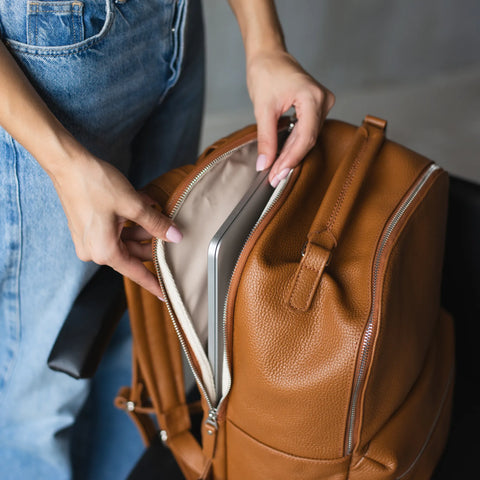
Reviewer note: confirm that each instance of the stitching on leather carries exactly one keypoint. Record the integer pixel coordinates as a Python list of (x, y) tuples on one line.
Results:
[(351, 174), (332, 218), (275, 450), (431, 432), (295, 288), (296, 285)]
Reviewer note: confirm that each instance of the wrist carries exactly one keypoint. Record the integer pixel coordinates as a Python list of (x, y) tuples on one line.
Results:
[(58, 151), (260, 44)]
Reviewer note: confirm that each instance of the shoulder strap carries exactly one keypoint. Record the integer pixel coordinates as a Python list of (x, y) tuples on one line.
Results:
[(157, 383)]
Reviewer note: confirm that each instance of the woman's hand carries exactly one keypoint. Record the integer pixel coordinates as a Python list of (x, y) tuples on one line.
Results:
[(277, 82), (98, 201)]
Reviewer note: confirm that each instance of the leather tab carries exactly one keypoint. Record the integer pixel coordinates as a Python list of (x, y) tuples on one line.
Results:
[(308, 275), (140, 416), (376, 122), (209, 441)]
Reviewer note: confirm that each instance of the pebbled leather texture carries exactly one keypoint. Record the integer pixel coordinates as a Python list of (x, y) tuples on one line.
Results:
[(341, 356)]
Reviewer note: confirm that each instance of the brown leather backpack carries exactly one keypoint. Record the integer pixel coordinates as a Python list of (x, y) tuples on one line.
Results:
[(339, 354)]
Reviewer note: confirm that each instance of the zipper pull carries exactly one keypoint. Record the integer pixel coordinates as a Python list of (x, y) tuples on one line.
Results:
[(210, 440), (211, 422)]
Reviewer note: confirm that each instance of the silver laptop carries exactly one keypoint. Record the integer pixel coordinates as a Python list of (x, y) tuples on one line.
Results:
[(223, 252)]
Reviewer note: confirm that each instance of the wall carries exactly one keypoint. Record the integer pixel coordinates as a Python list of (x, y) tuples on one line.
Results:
[(416, 63)]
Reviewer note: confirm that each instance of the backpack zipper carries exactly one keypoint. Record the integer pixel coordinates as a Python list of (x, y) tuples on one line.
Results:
[(213, 410), (370, 329)]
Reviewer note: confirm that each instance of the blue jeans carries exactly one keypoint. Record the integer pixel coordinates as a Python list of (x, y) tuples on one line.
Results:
[(126, 78)]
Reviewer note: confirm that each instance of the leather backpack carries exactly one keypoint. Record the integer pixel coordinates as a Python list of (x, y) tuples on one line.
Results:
[(339, 358)]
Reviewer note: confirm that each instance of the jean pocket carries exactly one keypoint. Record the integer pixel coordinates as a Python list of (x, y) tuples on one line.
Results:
[(62, 28), (54, 23)]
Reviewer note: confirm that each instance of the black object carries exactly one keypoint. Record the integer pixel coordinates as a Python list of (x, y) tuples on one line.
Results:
[(89, 326), (156, 463), (461, 297)]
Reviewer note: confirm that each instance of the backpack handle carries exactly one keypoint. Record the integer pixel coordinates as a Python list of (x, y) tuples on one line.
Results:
[(334, 211)]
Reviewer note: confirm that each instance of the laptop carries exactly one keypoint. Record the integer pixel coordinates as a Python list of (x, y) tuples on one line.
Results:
[(223, 252)]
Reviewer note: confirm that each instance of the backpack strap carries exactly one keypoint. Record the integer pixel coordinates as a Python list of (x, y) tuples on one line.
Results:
[(157, 383)]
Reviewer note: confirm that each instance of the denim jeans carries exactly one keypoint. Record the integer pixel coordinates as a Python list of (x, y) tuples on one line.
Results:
[(126, 79)]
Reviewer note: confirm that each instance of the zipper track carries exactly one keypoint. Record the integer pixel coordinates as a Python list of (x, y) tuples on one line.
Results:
[(370, 329)]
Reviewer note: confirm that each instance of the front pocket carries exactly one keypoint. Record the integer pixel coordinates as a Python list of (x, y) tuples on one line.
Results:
[(53, 24), (409, 445), (251, 459)]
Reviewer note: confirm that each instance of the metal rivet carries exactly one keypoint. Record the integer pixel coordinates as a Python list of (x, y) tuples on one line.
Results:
[(173, 29)]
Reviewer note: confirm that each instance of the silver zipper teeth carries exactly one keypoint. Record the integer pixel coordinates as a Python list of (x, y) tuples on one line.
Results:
[(272, 203), (205, 169), (367, 339)]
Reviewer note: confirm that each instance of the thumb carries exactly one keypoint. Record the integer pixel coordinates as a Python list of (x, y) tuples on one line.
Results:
[(157, 224), (267, 138)]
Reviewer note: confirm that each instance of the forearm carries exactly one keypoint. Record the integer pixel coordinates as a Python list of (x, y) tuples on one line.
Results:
[(259, 26), (26, 117)]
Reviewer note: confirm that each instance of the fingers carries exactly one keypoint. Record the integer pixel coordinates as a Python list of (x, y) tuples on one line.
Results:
[(125, 257), (267, 137), (135, 233), (311, 112), (142, 251), (277, 82), (154, 223), (300, 141), (131, 266), (135, 249)]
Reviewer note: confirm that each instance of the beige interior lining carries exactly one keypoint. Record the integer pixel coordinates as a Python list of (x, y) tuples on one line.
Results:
[(202, 213)]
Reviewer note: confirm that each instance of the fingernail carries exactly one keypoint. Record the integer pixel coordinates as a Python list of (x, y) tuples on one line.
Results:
[(161, 299), (279, 177), (261, 162), (174, 234)]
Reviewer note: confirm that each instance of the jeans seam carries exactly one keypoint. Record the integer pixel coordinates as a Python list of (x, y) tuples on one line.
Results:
[(176, 62), (10, 365)]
